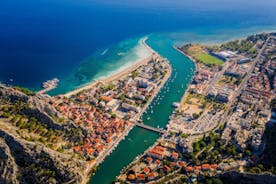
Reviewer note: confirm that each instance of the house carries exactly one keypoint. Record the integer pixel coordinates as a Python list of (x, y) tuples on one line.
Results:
[(146, 170), (141, 177), (142, 83), (131, 177), (174, 155), (197, 168), (129, 107), (206, 167), (149, 160), (181, 164), (152, 176), (106, 98), (189, 169), (113, 104), (214, 166), (222, 97), (157, 152), (157, 162), (167, 168)]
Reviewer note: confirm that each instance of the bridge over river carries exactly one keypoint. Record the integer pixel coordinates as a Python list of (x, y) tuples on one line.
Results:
[(147, 127)]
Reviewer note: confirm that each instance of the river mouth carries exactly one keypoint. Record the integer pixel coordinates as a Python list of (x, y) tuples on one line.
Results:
[(156, 115)]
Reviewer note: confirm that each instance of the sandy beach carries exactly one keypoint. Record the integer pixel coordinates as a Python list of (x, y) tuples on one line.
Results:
[(115, 77), (119, 74)]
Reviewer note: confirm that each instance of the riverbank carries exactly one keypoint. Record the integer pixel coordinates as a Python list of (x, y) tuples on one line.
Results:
[(196, 70), (139, 139), (154, 60), (107, 152), (165, 79)]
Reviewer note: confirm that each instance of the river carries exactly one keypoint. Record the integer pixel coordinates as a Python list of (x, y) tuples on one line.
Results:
[(139, 139)]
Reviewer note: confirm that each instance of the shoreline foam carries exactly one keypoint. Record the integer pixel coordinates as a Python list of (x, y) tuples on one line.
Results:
[(122, 71)]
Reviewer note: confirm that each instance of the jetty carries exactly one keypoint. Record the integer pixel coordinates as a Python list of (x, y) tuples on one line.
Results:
[(43, 91), (49, 85)]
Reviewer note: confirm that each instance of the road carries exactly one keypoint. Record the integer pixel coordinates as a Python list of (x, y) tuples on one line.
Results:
[(216, 78), (243, 83), (147, 127)]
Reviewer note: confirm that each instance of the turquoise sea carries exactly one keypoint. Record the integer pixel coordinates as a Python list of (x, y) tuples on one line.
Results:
[(138, 139), (79, 41)]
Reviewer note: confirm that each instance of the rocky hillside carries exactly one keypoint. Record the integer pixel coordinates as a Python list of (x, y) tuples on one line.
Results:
[(36, 142)]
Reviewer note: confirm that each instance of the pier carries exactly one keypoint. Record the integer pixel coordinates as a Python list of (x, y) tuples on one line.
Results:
[(49, 85), (46, 90), (147, 127)]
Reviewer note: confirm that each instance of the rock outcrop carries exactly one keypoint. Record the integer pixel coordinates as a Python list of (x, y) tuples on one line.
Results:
[(27, 161)]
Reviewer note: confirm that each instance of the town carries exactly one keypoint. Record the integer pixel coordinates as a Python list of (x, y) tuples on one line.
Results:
[(109, 110), (220, 122)]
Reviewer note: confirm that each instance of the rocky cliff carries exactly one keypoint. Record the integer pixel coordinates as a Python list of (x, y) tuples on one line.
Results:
[(36, 142)]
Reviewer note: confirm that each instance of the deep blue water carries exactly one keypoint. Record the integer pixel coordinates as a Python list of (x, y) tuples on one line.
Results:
[(42, 39), (80, 40)]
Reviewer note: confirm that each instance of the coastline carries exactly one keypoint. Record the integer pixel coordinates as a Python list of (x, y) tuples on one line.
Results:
[(112, 78), (136, 159), (118, 74)]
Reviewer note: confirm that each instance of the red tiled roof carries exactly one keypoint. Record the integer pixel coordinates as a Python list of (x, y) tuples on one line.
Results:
[(214, 166), (172, 164), (141, 177), (91, 162), (131, 177), (189, 169), (106, 98), (151, 174), (168, 169), (181, 163), (157, 162), (146, 170), (77, 148), (197, 168), (206, 166), (149, 159), (175, 155)]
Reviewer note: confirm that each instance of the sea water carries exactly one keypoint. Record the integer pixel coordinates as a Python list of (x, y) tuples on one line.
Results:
[(79, 41)]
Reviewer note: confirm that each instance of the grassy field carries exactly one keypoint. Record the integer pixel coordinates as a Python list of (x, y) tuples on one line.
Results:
[(199, 54)]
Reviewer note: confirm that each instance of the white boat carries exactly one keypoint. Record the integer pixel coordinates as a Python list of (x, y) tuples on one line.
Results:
[(176, 104)]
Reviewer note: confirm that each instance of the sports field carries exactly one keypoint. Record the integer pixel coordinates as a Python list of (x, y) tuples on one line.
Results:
[(199, 54)]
